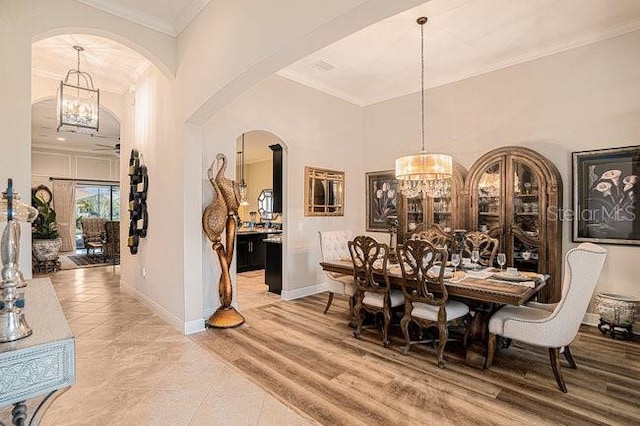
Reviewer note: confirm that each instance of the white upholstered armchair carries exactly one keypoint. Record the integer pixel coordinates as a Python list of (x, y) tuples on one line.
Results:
[(553, 326), (334, 246)]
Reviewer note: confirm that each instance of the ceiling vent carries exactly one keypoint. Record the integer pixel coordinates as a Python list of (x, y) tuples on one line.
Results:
[(324, 66)]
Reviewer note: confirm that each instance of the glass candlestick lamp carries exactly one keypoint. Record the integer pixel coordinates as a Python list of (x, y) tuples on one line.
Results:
[(13, 325)]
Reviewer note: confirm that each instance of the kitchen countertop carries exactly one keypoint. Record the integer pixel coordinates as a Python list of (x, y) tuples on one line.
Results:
[(259, 231)]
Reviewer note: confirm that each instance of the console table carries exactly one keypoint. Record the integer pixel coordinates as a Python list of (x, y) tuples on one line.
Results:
[(40, 364)]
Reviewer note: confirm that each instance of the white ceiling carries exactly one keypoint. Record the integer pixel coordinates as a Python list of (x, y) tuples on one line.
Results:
[(113, 66), (44, 134), (167, 16), (463, 38)]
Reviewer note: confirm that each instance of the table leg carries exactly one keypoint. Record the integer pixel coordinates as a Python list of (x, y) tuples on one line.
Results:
[(44, 405), (19, 413), (478, 335)]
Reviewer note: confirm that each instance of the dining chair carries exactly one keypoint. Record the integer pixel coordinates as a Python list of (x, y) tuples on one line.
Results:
[(485, 244), (334, 246), (373, 288), (425, 294), (553, 326), (433, 234)]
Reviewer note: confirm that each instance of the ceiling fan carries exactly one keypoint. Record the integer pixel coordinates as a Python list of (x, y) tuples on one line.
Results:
[(102, 147)]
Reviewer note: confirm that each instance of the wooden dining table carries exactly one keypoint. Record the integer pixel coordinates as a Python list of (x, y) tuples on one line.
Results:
[(485, 295)]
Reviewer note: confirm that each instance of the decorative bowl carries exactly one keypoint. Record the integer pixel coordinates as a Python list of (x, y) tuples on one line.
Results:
[(616, 309)]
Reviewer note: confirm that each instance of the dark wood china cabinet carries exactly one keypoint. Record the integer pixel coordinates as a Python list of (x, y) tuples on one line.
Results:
[(515, 194)]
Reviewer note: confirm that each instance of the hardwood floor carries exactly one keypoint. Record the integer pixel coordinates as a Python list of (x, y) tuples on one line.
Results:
[(313, 363)]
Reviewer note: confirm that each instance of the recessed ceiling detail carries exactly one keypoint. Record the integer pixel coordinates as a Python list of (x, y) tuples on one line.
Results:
[(464, 38), (113, 66)]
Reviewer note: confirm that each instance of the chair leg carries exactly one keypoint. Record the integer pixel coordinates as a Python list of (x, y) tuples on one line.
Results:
[(387, 324), (443, 335), (357, 317), (554, 357), (569, 358), (404, 325), (328, 302), (491, 350)]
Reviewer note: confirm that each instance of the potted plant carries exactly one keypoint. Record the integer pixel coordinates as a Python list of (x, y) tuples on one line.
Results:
[(46, 239)]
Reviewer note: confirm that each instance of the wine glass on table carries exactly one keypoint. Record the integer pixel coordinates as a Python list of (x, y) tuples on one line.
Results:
[(455, 261), (475, 257), (502, 259)]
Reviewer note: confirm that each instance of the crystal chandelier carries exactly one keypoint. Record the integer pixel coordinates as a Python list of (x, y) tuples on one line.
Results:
[(424, 173), (242, 184), (78, 101)]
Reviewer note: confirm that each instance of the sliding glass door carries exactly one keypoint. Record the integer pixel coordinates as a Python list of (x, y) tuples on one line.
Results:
[(96, 200)]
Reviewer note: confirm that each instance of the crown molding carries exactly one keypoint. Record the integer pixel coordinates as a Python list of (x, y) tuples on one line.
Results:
[(533, 55), (314, 84), (170, 28), (131, 15), (188, 14)]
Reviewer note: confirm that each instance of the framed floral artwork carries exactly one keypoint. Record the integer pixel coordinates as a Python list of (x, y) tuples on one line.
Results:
[(605, 196), (382, 199)]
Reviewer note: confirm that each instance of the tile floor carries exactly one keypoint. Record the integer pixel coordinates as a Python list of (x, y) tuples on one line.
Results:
[(132, 368)]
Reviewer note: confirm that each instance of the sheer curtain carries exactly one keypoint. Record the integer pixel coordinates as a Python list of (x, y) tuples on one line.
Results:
[(64, 202)]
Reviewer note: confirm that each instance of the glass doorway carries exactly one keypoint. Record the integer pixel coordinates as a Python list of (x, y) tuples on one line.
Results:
[(95, 200)]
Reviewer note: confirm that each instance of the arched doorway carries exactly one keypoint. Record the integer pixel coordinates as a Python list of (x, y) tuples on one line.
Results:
[(260, 242)]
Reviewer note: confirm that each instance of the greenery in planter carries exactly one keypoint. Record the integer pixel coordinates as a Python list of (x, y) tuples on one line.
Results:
[(44, 227)]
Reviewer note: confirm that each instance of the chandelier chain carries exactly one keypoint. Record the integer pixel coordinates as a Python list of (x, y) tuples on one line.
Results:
[(422, 79)]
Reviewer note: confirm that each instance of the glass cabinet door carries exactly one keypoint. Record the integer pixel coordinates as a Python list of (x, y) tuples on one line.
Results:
[(489, 196), (526, 217), (413, 213)]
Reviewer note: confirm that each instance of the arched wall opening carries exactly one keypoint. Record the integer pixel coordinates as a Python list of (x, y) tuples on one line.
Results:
[(259, 177), (142, 96)]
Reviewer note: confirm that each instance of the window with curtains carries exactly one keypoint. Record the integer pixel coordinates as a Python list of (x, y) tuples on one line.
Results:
[(96, 200)]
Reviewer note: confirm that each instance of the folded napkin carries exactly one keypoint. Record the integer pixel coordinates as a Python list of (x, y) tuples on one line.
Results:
[(530, 284), (481, 275), (459, 276)]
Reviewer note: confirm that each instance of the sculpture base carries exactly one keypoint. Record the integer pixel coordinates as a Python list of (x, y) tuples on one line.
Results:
[(225, 318), (13, 326)]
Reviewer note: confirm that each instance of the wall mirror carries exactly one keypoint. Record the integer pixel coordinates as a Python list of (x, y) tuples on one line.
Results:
[(323, 192), (265, 205)]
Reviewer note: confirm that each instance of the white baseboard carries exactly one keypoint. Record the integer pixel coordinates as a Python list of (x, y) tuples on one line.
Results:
[(304, 291), (189, 327), (195, 326), (591, 319)]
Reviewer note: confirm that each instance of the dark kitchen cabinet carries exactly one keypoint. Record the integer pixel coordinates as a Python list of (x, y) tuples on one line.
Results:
[(250, 250)]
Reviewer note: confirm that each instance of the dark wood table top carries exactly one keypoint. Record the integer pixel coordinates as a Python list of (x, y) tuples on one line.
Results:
[(482, 290)]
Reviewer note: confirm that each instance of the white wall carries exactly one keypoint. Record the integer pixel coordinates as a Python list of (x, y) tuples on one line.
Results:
[(47, 163), (317, 130), (586, 98), (151, 126)]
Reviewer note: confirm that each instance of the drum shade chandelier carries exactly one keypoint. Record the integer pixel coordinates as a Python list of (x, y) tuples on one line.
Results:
[(78, 102), (424, 173), (242, 184)]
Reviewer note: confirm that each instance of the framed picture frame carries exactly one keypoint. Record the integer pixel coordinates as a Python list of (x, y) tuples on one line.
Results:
[(382, 199), (606, 189)]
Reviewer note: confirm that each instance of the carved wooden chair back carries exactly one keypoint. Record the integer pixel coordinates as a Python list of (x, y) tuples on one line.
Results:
[(423, 265), (485, 244), (432, 235), (370, 259)]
